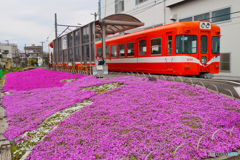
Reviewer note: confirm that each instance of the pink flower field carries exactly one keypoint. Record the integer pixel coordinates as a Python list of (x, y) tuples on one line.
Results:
[(137, 120)]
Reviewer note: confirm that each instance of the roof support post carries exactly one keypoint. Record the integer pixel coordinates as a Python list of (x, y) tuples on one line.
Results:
[(104, 42)]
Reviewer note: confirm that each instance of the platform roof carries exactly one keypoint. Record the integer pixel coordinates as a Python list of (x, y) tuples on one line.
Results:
[(116, 23)]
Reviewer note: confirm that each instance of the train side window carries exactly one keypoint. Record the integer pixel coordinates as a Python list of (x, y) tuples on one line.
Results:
[(99, 52), (169, 44), (142, 47), (113, 51), (156, 46), (121, 50), (130, 49), (107, 51), (203, 44), (216, 45)]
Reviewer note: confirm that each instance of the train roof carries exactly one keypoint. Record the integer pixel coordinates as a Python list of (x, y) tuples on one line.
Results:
[(178, 25)]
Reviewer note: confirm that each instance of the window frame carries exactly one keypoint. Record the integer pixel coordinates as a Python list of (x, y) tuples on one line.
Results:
[(160, 47), (133, 49), (98, 52), (140, 2), (226, 71), (201, 44), (117, 3), (119, 50), (116, 51), (168, 53), (225, 20), (212, 45), (202, 14), (108, 51), (210, 15), (186, 18), (144, 39), (186, 35)]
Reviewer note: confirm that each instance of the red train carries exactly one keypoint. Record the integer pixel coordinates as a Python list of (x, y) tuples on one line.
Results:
[(184, 48)]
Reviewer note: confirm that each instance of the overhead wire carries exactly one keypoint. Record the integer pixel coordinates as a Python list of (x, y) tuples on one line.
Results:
[(73, 17), (50, 34)]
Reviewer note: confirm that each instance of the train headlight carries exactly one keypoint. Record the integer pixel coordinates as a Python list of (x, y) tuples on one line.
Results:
[(205, 25)]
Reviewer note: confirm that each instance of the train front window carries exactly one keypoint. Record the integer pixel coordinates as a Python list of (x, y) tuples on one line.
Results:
[(142, 47), (203, 44), (216, 45), (186, 44), (99, 52), (121, 50)]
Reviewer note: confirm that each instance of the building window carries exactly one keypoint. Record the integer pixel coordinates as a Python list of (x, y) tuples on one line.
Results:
[(119, 6), (140, 1), (225, 62), (130, 49), (142, 47), (5, 51), (221, 15), (113, 51), (189, 19), (204, 16), (156, 46)]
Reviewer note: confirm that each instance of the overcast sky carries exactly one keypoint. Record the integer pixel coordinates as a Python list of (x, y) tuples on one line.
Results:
[(31, 21)]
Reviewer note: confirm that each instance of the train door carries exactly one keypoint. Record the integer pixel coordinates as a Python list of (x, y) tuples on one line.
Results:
[(169, 48), (142, 59), (204, 45)]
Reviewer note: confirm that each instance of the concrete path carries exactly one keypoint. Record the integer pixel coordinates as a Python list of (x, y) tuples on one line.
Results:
[(5, 146)]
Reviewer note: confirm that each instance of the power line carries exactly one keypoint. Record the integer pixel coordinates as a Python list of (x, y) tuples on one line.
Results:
[(73, 17), (50, 34)]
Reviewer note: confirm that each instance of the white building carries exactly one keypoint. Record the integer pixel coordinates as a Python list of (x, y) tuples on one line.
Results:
[(224, 13), (9, 52)]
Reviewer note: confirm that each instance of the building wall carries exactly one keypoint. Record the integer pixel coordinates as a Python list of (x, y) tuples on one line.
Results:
[(229, 29), (152, 13), (6, 47)]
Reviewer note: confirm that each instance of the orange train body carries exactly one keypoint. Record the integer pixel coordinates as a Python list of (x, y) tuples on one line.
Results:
[(183, 48)]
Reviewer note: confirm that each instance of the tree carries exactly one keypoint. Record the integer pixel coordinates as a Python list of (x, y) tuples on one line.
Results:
[(33, 61), (46, 60)]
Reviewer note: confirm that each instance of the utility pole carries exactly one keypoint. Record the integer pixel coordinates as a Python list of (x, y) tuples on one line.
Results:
[(95, 16), (42, 49), (164, 10), (7, 41), (55, 25)]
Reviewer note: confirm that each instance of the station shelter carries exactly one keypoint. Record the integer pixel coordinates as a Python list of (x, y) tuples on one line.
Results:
[(76, 50)]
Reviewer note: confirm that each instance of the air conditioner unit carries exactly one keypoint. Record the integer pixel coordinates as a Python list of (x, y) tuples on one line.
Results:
[(173, 17)]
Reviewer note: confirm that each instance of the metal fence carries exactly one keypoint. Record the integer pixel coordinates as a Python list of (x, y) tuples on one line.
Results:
[(75, 48)]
